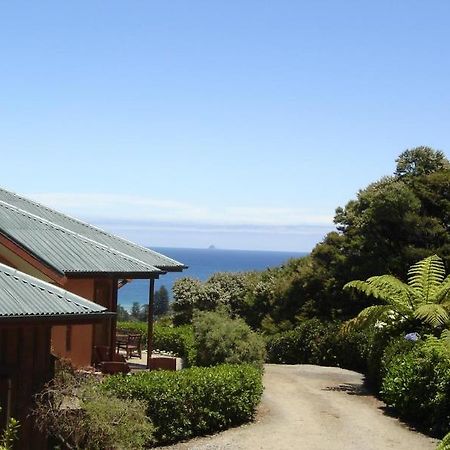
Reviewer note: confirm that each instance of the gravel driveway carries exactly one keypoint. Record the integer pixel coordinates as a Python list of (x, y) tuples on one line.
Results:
[(311, 408)]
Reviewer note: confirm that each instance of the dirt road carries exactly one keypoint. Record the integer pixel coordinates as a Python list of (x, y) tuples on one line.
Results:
[(315, 408)]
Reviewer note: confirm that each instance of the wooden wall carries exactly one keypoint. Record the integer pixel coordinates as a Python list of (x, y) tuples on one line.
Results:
[(25, 366), (75, 342)]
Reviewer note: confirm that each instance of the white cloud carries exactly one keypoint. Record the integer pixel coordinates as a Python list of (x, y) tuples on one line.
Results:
[(132, 208)]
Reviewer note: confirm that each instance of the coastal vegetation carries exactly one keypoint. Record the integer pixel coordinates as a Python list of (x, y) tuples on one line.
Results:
[(395, 235), (315, 310)]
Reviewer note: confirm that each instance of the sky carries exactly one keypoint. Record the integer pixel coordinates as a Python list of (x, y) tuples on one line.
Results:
[(238, 123)]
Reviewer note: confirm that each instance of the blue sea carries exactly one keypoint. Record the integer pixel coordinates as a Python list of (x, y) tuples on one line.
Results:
[(202, 264)]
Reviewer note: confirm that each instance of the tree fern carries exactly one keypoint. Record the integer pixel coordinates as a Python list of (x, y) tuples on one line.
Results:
[(426, 276), (426, 296), (368, 317), (445, 443), (433, 314), (443, 292)]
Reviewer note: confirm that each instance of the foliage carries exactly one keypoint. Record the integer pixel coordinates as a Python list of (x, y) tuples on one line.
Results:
[(177, 340), (229, 290), (193, 401), (420, 161), (161, 305), (426, 297), (390, 225), (139, 312), (136, 311), (122, 314), (417, 385), (9, 435), (221, 339), (445, 443), (315, 342), (77, 412), (135, 328)]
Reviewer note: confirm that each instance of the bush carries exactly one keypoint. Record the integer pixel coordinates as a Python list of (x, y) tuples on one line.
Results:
[(134, 327), (417, 385), (220, 339), (193, 401), (177, 340), (9, 435), (79, 414), (315, 342)]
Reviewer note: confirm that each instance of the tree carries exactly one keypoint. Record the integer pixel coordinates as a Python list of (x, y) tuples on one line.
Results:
[(426, 296), (136, 312), (122, 314), (161, 305), (420, 161)]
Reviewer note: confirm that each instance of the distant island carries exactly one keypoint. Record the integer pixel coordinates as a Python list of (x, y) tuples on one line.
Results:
[(212, 247)]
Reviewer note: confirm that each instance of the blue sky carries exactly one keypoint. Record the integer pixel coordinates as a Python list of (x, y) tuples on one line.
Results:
[(242, 124)]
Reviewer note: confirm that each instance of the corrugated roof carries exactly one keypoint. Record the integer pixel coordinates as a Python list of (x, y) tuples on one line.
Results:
[(23, 296), (65, 251), (146, 256)]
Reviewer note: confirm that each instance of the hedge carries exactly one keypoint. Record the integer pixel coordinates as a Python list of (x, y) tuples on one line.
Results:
[(417, 385), (177, 340), (315, 342), (194, 401)]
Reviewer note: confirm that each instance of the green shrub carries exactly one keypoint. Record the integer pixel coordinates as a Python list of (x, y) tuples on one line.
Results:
[(193, 401), (220, 339), (177, 340), (396, 347), (134, 327), (75, 410), (9, 435), (315, 342), (417, 386), (283, 348), (348, 350)]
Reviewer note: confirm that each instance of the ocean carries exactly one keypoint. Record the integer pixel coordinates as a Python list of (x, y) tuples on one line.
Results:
[(202, 264)]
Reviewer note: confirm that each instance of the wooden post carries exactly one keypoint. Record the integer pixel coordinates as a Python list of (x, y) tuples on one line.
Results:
[(113, 320), (151, 301)]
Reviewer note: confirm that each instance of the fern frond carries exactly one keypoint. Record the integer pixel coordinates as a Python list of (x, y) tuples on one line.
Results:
[(367, 317), (388, 289), (433, 314), (445, 443), (426, 275), (445, 336), (442, 293)]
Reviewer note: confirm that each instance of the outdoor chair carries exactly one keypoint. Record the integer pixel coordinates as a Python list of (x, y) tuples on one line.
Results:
[(132, 345)]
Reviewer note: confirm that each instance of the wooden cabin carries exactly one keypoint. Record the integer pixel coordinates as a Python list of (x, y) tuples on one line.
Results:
[(80, 258), (30, 309)]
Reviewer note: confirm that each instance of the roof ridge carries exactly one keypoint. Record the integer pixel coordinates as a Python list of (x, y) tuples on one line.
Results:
[(88, 225), (80, 236)]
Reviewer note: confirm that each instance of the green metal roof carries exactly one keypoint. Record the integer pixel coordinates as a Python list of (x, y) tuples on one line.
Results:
[(25, 297), (71, 246)]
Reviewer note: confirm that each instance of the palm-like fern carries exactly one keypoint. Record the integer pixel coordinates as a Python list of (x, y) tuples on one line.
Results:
[(444, 444), (426, 296)]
